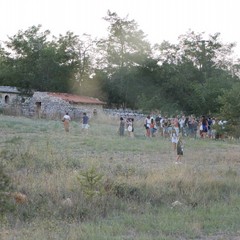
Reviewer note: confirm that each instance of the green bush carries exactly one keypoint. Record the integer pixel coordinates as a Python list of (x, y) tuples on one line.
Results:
[(6, 205), (128, 192), (91, 182)]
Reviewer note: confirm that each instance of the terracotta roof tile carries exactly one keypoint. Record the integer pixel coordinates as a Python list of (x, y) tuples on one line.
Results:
[(76, 98)]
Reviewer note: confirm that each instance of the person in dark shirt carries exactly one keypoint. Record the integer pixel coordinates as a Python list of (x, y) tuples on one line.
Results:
[(121, 127), (179, 149), (85, 120)]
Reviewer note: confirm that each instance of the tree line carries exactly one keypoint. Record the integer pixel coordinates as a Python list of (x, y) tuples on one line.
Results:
[(194, 76)]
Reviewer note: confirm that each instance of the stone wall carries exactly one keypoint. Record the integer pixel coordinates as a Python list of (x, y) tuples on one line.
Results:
[(7, 98), (42, 105)]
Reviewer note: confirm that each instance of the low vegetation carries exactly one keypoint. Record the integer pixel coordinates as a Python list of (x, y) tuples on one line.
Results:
[(98, 185)]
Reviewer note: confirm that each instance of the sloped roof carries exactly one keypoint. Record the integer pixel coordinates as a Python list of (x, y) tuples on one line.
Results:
[(76, 98), (8, 89)]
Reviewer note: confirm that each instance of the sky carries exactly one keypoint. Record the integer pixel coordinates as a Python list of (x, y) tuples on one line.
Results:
[(159, 19)]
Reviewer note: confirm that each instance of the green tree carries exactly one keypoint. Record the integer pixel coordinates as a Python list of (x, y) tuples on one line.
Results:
[(6, 71), (230, 109), (193, 73), (84, 73), (25, 48), (35, 62), (123, 50)]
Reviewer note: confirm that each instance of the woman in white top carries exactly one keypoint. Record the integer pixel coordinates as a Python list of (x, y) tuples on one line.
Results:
[(66, 119), (147, 123), (174, 139)]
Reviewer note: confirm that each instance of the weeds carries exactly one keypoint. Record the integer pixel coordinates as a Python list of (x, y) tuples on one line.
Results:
[(118, 188), (6, 205), (91, 182)]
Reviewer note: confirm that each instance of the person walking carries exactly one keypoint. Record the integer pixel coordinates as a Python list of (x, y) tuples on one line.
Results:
[(66, 119), (130, 127), (121, 127), (194, 128), (85, 120), (174, 139), (182, 125), (175, 124), (147, 123), (179, 149), (153, 128), (203, 127)]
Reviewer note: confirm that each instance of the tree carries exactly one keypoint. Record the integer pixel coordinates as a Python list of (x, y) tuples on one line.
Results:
[(230, 109), (25, 48), (6, 71), (40, 64), (193, 72), (123, 50), (85, 49)]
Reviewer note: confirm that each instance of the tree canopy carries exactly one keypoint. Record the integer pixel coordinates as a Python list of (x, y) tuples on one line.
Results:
[(194, 76)]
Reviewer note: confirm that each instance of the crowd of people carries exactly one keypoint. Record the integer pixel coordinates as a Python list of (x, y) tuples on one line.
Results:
[(174, 128), (202, 127)]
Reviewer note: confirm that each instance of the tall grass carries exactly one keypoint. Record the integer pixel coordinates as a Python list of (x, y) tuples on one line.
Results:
[(98, 185)]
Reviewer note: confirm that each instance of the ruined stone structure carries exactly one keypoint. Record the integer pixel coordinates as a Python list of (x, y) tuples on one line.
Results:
[(8, 95), (48, 105), (10, 100)]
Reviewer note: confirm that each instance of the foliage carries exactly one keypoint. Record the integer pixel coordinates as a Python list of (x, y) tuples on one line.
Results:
[(230, 109), (123, 50), (123, 69), (136, 199), (230, 103), (194, 73), (6, 205), (91, 182), (34, 62)]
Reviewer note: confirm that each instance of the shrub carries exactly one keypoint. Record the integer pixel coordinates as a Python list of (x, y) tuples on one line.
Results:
[(127, 192), (91, 182), (6, 205)]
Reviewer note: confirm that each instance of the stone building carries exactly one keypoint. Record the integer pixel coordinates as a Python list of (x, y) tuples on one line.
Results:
[(10, 100), (8, 95), (48, 105), (52, 105)]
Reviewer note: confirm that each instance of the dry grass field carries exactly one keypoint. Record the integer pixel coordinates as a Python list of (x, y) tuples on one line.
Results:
[(97, 185)]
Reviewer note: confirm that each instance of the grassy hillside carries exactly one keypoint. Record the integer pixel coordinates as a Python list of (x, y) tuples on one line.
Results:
[(97, 185)]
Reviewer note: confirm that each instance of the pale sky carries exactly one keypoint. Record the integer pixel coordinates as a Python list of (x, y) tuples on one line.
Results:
[(159, 19)]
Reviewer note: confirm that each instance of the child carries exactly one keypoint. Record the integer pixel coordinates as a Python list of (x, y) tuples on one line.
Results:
[(179, 149)]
